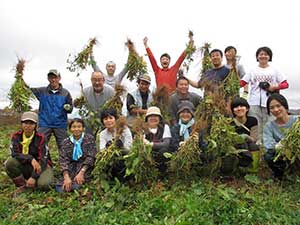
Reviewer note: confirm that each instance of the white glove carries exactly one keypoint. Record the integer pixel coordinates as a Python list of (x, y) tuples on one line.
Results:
[(67, 107), (146, 142), (181, 143), (245, 95), (278, 146)]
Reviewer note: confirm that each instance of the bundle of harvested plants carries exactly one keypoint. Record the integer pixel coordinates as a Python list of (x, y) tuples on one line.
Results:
[(80, 61), (135, 63), (115, 102), (161, 100), (106, 159), (190, 50), (206, 62), (290, 149), (19, 93)]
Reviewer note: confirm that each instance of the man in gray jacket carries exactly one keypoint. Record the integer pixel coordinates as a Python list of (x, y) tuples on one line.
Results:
[(96, 96)]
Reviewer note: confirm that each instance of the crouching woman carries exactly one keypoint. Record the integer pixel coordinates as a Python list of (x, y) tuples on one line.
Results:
[(183, 129), (247, 127), (118, 133), (275, 131), (30, 164), (76, 157), (158, 136)]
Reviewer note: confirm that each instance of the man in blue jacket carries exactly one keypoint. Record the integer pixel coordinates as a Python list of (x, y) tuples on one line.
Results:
[(55, 104)]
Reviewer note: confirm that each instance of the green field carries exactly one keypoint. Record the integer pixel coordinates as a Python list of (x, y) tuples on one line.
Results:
[(250, 200)]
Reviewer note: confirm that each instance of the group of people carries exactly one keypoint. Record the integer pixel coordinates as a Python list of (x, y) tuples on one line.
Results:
[(30, 163)]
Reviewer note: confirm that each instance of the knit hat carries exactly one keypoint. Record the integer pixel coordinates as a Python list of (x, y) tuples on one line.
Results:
[(32, 116), (186, 105)]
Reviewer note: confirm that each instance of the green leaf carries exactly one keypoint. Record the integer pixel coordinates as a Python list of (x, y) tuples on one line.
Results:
[(168, 155), (252, 179)]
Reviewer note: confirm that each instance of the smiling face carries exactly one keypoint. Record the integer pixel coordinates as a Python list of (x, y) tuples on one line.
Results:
[(110, 68), (165, 62), (240, 111), (277, 109), (185, 116), (28, 127), (77, 129), (54, 81), (183, 87), (263, 58), (153, 121), (216, 59), (230, 54), (97, 80), (109, 122), (144, 86)]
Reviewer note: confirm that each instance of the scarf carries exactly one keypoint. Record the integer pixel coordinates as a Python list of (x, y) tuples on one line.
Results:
[(184, 131), (26, 142), (77, 151)]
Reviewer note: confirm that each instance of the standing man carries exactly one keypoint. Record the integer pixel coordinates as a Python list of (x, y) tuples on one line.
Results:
[(96, 96), (110, 79), (182, 94), (166, 75), (139, 100), (55, 104), (214, 76)]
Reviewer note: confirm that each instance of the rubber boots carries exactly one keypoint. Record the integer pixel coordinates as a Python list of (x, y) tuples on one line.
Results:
[(19, 181)]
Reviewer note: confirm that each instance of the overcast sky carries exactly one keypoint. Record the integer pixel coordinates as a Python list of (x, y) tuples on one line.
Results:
[(45, 32)]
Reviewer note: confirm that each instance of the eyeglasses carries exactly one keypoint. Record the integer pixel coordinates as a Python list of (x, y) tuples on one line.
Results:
[(97, 80)]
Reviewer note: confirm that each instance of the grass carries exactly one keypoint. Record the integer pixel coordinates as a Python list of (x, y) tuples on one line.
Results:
[(252, 200)]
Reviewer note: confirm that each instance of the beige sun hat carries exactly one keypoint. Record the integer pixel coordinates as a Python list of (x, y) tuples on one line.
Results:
[(153, 110)]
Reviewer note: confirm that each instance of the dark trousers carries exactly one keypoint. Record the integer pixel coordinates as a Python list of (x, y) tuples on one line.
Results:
[(59, 133), (15, 169), (160, 159), (277, 167)]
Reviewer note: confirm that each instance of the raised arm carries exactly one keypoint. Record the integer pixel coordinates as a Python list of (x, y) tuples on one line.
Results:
[(95, 67), (151, 56)]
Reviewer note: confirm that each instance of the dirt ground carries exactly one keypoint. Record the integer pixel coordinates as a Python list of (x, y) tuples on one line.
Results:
[(8, 117)]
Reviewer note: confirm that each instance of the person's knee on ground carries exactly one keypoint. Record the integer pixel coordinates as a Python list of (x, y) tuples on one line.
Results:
[(229, 164), (12, 167), (46, 179)]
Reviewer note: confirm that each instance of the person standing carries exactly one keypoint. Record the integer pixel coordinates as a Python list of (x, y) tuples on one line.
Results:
[(96, 95), (139, 100), (231, 58), (182, 94), (213, 78), (264, 79), (55, 105), (110, 78), (166, 75)]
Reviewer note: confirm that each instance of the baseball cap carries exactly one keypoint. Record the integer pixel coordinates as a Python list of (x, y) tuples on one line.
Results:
[(32, 116), (53, 72), (145, 77)]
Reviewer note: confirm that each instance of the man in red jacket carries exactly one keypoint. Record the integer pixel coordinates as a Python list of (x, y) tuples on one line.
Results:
[(166, 75)]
